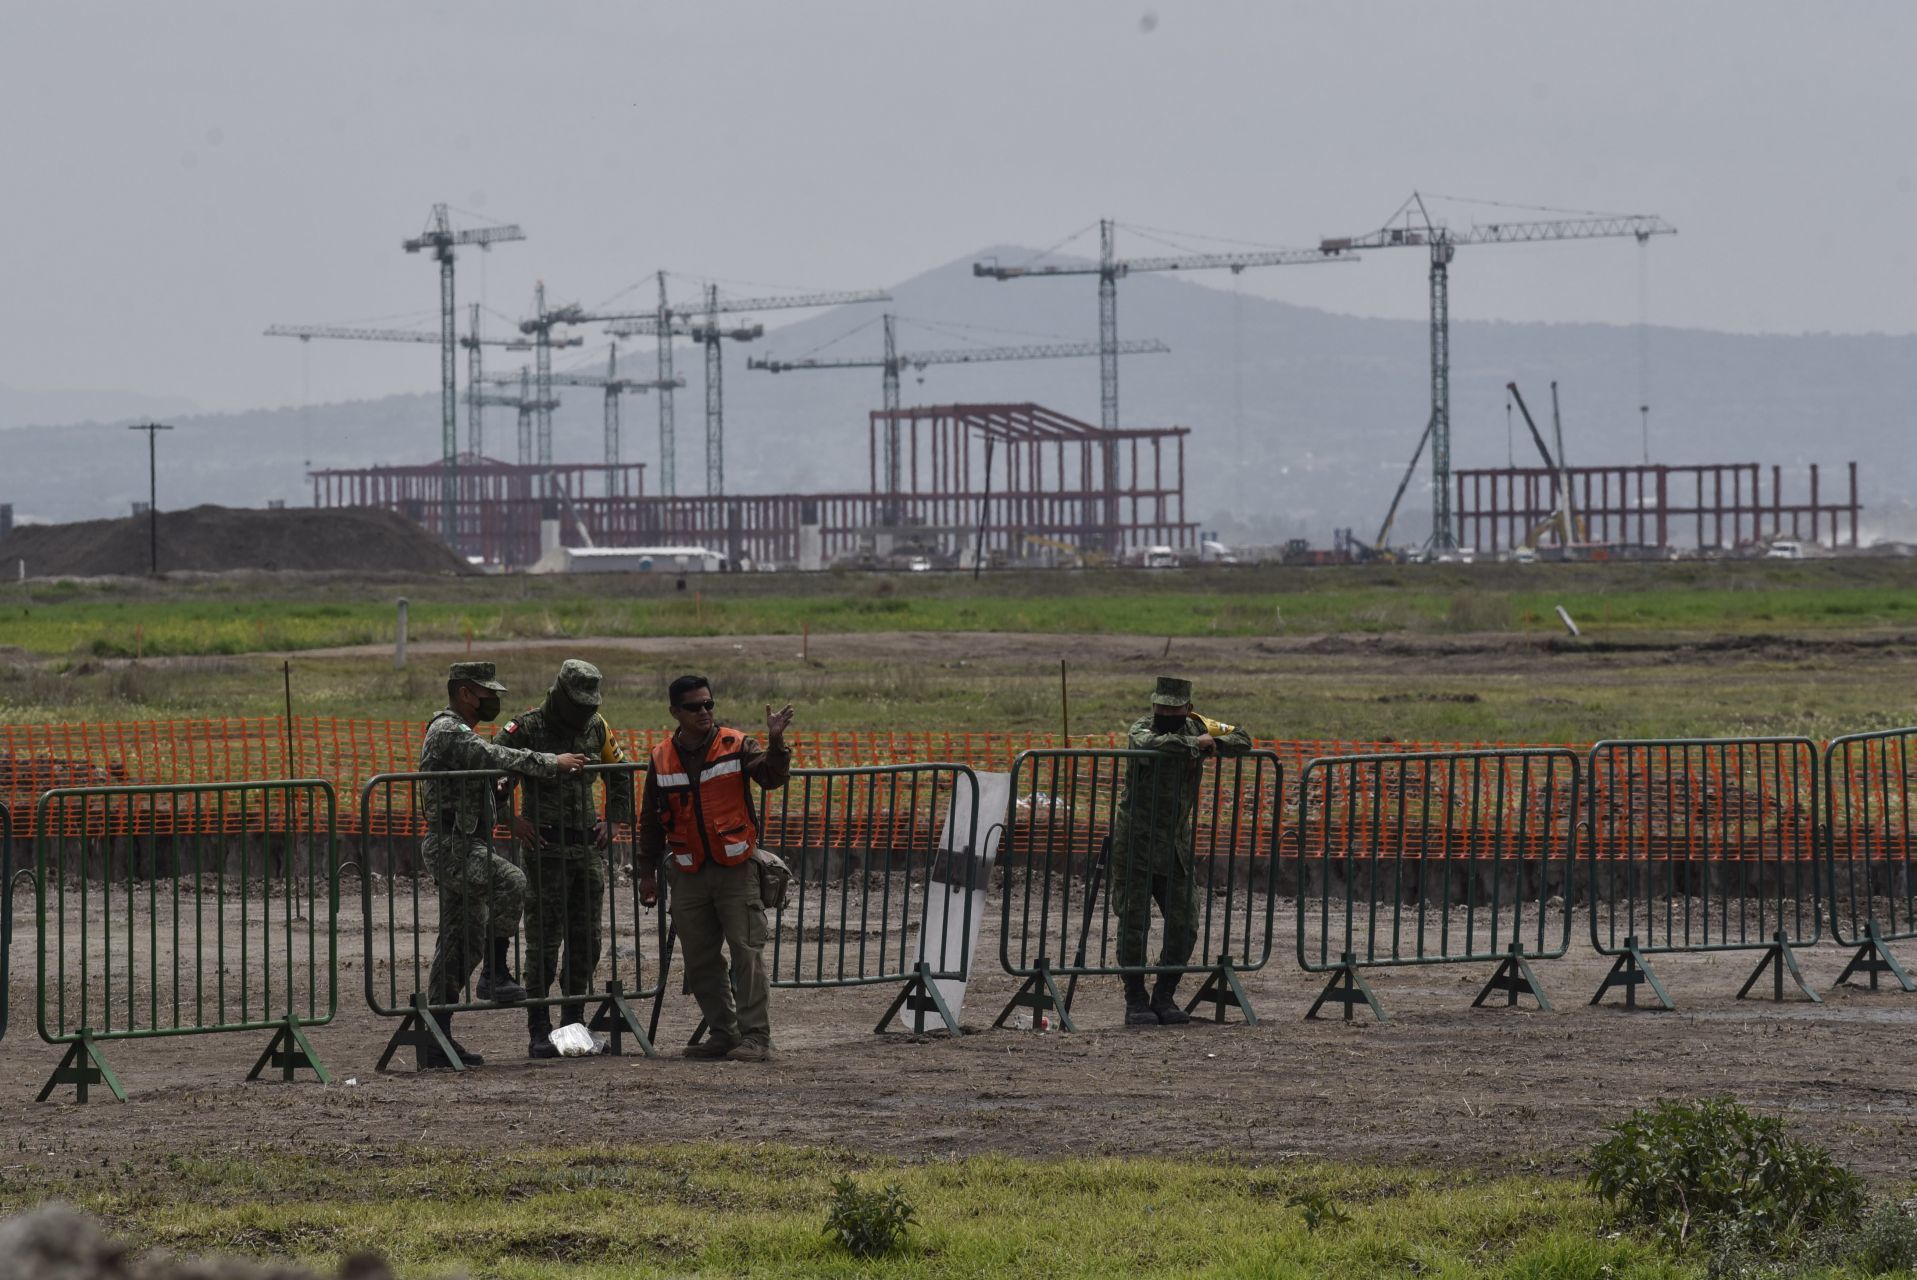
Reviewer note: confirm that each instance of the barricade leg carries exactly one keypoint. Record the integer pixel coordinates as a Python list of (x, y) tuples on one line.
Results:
[(1874, 958), (616, 1018), (1348, 988), (1779, 959), (289, 1052), (921, 995), (1222, 991), (1040, 994), (82, 1066), (1514, 977), (420, 1030), (1631, 971)]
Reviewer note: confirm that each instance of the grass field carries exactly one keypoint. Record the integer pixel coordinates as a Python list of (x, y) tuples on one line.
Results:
[(759, 1210), (247, 615), (1427, 653)]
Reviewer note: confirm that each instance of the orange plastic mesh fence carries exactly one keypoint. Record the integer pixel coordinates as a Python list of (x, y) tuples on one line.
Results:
[(34, 758)]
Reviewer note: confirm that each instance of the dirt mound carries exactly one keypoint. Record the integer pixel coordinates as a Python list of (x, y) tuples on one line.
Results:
[(53, 1242), (220, 539)]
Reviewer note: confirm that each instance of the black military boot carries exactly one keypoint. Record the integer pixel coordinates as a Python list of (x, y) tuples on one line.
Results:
[(1138, 1005), (572, 1013), (538, 1029), (1165, 1001), (430, 1057), (496, 981)]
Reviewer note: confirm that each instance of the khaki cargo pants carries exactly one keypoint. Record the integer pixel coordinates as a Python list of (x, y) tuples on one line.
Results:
[(715, 905)]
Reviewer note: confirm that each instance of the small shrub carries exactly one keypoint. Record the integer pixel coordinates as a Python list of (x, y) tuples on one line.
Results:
[(1319, 1209), (870, 1224), (1711, 1169), (1887, 1242)]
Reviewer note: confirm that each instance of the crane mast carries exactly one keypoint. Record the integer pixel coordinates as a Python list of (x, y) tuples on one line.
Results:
[(666, 323), (472, 340), (1413, 227), (440, 238), (1110, 267)]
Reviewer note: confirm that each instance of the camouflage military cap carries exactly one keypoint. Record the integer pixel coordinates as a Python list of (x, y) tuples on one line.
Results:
[(482, 674), (580, 682), (1171, 692)]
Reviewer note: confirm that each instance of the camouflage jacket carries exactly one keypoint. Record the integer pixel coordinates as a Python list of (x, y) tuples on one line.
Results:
[(466, 805), (1154, 818), (568, 802)]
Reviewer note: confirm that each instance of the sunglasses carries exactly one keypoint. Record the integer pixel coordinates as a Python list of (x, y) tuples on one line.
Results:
[(696, 706)]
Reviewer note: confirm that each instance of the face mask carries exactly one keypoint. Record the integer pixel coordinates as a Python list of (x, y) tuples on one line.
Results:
[(574, 715), (1167, 724), (489, 708)]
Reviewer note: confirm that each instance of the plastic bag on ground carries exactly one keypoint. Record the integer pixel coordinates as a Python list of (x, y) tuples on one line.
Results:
[(573, 1040)]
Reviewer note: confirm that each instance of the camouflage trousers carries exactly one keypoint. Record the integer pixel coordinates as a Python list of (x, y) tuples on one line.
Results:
[(565, 900), (1135, 883), (480, 897)]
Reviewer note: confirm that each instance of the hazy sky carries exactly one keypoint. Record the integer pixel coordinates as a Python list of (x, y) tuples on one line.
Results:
[(180, 175)]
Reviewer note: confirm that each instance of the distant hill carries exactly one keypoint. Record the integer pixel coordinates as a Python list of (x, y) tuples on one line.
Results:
[(1302, 420), (60, 408)]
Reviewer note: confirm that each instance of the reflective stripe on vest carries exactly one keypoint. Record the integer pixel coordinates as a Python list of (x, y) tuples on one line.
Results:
[(707, 814)]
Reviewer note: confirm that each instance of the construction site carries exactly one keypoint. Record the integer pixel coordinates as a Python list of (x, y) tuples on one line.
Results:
[(991, 484)]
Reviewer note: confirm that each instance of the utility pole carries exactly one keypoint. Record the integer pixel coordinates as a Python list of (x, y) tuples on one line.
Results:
[(152, 430)]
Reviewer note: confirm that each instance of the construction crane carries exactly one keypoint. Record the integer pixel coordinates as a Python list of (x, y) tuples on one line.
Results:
[(1413, 227), (614, 386), (666, 322), (1110, 267), (440, 238), (892, 362), (524, 403), (471, 340)]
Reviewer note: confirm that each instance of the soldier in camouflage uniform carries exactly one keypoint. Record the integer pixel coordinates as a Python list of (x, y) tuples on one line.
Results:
[(480, 893), (1151, 854), (562, 841)]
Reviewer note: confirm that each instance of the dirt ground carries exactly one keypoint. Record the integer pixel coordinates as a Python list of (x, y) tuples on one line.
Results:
[(1441, 1083)]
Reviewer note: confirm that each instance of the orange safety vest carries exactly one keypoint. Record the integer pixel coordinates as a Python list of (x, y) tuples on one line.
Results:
[(707, 814)]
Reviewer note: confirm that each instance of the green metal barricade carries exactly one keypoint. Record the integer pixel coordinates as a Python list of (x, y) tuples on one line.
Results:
[(1703, 845), (185, 910), (1869, 849), (584, 957), (885, 888), (1436, 857), (1082, 870)]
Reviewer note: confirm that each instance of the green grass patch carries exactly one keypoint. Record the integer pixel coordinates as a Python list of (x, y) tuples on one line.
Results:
[(263, 613), (760, 1210)]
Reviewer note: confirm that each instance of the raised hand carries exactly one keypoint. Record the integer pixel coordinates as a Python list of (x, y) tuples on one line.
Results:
[(776, 721)]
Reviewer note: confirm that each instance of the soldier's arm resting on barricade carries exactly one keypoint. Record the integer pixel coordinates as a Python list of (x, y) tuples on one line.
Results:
[(1231, 740), (618, 790), (1185, 744)]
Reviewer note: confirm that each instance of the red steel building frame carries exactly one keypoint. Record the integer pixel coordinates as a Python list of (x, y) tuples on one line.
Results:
[(1050, 476), (1720, 504)]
